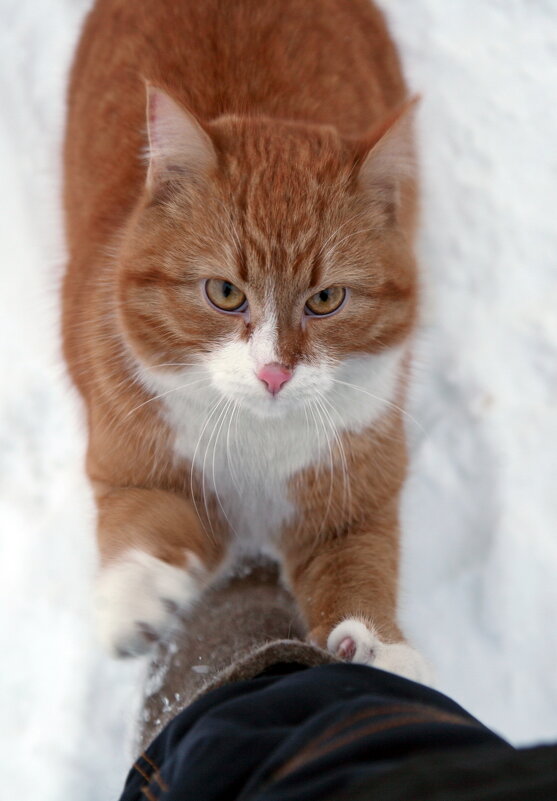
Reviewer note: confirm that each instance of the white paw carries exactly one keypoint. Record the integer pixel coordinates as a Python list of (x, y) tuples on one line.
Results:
[(138, 598), (354, 641)]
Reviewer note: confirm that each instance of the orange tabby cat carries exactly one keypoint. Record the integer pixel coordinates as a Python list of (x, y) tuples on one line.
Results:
[(238, 306)]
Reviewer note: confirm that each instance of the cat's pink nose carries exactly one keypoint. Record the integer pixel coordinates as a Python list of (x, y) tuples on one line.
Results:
[(274, 376)]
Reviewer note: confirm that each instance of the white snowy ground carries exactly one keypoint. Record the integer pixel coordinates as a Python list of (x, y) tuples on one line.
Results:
[(480, 556)]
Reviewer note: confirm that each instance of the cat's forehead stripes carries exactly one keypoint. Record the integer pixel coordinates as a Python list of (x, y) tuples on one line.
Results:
[(242, 265), (306, 270), (316, 270), (289, 198)]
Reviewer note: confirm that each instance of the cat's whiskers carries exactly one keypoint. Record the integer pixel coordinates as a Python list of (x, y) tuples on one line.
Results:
[(117, 358), (206, 380), (347, 489), (234, 415), (331, 252), (217, 427), (210, 414), (173, 364), (315, 466), (112, 389), (219, 414), (389, 403), (223, 416), (216, 415), (337, 230), (331, 469), (111, 420), (236, 421), (113, 425)]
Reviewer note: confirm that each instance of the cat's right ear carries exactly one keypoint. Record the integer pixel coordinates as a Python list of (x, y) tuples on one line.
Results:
[(386, 158), (178, 145)]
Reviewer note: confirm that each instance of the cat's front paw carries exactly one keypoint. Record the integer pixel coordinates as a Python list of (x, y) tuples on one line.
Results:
[(354, 641), (139, 598)]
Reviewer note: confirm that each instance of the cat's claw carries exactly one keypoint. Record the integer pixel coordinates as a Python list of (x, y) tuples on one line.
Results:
[(139, 598), (354, 641)]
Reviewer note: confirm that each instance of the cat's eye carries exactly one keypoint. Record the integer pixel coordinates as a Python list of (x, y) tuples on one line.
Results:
[(224, 295), (326, 301)]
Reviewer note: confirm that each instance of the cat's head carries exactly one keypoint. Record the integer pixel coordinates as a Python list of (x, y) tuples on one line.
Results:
[(268, 253)]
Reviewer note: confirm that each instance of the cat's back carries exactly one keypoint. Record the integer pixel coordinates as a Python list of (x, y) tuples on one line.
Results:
[(323, 61), (326, 61)]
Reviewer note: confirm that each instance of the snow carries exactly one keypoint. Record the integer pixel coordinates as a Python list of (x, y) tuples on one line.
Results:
[(479, 589)]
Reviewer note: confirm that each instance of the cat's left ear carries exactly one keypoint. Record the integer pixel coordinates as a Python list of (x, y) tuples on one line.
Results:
[(178, 144), (387, 158)]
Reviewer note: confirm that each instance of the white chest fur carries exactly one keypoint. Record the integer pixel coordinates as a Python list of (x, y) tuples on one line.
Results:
[(246, 461)]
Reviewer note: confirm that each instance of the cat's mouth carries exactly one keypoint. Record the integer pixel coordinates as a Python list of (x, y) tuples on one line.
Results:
[(278, 393), (271, 405), (262, 402)]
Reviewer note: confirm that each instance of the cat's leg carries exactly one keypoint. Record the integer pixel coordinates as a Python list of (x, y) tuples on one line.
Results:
[(346, 585), (155, 561)]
